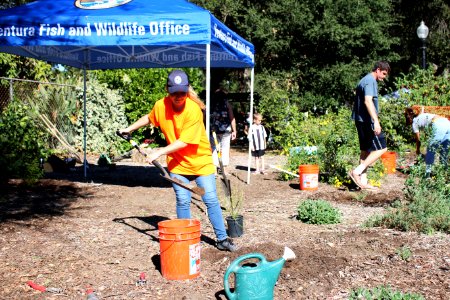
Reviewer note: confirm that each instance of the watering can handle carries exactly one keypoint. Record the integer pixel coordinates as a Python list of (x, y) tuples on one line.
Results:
[(234, 266)]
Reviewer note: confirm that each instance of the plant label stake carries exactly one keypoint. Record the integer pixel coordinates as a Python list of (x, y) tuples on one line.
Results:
[(195, 189), (225, 181)]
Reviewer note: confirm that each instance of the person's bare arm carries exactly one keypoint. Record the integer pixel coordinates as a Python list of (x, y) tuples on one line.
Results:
[(143, 121), (417, 138), (174, 147), (233, 121), (368, 101)]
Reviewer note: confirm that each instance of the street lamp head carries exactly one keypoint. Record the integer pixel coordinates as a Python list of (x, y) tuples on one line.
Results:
[(422, 31)]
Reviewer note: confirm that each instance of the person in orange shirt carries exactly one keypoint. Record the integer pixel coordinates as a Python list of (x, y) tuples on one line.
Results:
[(188, 151)]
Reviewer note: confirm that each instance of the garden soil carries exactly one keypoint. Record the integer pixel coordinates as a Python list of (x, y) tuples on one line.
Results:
[(69, 233)]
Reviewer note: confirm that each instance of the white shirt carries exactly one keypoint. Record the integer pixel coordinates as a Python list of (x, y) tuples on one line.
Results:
[(422, 121)]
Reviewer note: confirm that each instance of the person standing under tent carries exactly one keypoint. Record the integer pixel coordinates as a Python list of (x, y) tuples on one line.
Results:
[(439, 139), (188, 151), (257, 136), (223, 123), (372, 141)]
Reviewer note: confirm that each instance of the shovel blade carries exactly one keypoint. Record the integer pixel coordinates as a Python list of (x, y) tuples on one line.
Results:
[(226, 186), (194, 189)]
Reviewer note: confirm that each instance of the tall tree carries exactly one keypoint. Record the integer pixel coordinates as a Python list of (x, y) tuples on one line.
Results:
[(323, 46)]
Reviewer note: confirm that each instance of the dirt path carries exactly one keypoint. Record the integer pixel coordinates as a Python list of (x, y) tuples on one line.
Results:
[(68, 234)]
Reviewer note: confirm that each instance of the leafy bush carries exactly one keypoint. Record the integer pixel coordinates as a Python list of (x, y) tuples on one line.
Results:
[(427, 204), (22, 144), (58, 104), (425, 87), (300, 156), (104, 115), (335, 136), (404, 253), (334, 133), (392, 121), (318, 212), (382, 293), (418, 87)]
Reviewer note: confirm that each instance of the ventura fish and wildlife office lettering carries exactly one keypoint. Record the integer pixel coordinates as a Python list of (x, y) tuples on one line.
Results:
[(99, 28)]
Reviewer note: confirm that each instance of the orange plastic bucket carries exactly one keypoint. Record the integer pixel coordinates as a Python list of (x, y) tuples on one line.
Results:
[(309, 177), (389, 160), (179, 243)]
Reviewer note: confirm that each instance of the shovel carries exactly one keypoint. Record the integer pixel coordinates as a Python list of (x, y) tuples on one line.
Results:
[(284, 171), (195, 189), (225, 181)]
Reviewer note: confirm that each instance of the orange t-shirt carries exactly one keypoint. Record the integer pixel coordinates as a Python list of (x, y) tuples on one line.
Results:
[(186, 126)]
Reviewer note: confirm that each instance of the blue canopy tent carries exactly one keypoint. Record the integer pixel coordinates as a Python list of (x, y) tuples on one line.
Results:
[(113, 34)]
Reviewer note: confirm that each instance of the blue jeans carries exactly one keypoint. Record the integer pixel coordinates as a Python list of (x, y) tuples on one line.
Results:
[(438, 142), (207, 182)]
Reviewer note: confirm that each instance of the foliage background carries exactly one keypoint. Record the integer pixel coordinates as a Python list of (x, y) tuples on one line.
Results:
[(309, 57), (104, 115)]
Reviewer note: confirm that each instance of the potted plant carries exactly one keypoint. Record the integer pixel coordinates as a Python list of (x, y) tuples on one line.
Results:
[(234, 218)]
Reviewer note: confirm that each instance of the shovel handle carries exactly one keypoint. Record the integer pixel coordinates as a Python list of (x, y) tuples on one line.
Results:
[(162, 170), (225, 180), (127, 137)]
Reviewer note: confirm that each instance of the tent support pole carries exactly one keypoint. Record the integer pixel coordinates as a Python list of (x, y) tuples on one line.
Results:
[(208, 87), (252, 76), (84, 123)]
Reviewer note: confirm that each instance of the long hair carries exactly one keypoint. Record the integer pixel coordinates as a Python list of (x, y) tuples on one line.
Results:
[(410, 114), (194, 97)]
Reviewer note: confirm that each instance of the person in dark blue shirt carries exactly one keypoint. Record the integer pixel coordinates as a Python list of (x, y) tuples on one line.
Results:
[(372, 141)]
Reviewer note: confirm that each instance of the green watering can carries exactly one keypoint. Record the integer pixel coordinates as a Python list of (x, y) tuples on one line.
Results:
[(255, 280)]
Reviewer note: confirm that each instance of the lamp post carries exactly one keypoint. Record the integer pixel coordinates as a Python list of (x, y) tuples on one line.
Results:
[(422, 33)]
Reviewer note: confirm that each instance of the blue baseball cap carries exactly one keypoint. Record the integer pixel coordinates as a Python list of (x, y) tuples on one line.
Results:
[(177, 81)]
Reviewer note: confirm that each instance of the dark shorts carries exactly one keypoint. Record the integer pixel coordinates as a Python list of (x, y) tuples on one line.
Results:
[(258, 153), (368, 141)]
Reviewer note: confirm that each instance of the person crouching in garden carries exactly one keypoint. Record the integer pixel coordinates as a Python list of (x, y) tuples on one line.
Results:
[(438, 140)]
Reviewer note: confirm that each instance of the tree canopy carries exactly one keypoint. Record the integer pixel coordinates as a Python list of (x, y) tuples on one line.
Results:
[(314, 50), (323, 47)]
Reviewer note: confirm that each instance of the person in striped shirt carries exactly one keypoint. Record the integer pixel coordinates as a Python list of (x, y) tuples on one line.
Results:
[(257, 136)]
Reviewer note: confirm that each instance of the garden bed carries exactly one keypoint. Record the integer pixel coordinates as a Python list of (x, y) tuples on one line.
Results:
[(69, 234)]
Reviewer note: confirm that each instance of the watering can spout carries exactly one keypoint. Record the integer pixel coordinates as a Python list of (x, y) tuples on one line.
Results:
[(288, 254), (255, 280), (278, 264)]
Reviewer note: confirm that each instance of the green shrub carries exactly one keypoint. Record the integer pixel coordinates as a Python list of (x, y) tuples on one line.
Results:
[(22, 144), (299, 156), (105, 113), (334, 133), (392, 120), (404, 253), (426, 207), (318, 212), (335, 137), (425, 87), (382, 293)]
